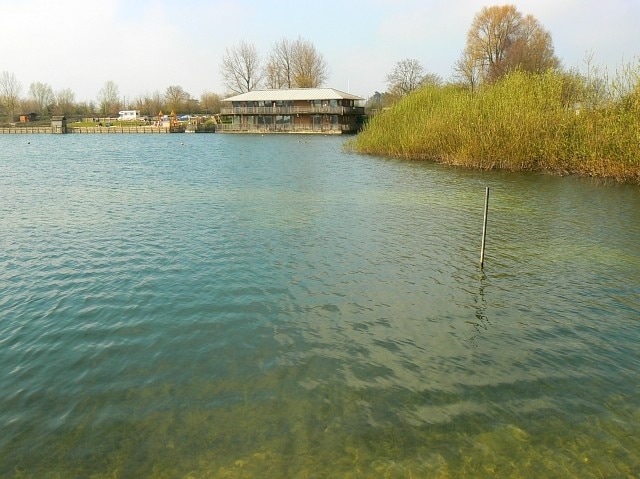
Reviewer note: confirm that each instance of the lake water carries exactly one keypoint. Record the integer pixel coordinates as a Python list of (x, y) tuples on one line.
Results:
[(275, 306)]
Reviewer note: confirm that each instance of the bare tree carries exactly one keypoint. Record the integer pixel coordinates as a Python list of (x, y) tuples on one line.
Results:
[(156, 102), (210, 102), (176, 98), (108, 98), (407, 76), (84, 108), (64, 102), (142, 103), (309, 67), (273, 78), (595, 92), (533, 51), (10, 89), (279, 67), (467, 71), (240, 68), (42, 96), (501, 40)]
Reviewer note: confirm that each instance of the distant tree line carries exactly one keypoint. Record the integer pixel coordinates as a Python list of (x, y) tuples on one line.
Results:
[(44, 102), (289, 64), (500, 40)]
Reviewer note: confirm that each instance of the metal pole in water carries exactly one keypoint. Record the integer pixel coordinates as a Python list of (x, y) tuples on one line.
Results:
[(484, 226)]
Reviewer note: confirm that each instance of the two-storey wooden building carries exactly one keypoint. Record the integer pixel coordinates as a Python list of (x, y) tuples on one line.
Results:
[(295, 110)]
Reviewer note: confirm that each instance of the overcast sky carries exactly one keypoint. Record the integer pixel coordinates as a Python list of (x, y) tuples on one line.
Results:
[(145, 46)]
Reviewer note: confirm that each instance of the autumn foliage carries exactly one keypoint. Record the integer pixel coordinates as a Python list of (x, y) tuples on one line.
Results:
[(502, 40)]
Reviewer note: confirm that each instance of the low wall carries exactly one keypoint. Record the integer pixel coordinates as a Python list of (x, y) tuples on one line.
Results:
[(25, 129), (94, 129), (118, 129)]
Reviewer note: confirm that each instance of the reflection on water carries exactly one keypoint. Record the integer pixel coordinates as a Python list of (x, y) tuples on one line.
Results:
[(261, 307), (481, 322)]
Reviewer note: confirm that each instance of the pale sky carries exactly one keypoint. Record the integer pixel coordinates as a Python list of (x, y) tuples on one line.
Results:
[(145, 46)]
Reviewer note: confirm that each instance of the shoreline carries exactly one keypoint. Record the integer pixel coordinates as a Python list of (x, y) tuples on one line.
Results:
[(99, 130)]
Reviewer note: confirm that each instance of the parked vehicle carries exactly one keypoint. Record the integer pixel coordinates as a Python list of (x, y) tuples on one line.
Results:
[(128, 115)]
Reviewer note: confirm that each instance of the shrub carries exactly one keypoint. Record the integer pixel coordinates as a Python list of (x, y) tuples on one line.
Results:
[(523, 122)]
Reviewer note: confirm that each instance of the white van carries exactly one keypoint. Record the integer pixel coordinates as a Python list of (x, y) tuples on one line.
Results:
[(128, 115)]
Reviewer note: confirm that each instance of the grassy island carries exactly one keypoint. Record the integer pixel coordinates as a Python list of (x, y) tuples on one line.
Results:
[(553, 122)]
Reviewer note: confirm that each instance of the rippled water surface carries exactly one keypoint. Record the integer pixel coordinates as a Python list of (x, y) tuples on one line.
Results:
[(248, 306)]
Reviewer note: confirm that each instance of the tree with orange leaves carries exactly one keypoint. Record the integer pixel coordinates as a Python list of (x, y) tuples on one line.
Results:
[(501, 40)]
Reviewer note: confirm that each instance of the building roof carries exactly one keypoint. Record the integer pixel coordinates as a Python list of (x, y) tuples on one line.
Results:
[(294, 94)]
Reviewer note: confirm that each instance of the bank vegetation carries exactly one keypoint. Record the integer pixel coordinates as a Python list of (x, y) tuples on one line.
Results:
[(559, 122)]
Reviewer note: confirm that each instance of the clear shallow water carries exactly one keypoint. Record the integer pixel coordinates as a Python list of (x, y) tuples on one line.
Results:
[(246, 306)]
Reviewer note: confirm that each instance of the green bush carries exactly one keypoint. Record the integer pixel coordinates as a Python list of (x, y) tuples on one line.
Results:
[(523, 122)]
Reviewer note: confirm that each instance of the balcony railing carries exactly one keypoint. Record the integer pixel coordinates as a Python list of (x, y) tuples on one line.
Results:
[(293, 110)]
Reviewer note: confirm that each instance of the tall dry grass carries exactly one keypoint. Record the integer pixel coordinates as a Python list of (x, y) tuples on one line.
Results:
[(553, 122)]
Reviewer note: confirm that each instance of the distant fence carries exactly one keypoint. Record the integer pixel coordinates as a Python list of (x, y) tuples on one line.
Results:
[(100, 129), (25, 129), (119, 129)]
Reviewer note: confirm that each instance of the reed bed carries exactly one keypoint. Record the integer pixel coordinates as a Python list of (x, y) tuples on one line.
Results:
[(548, 122)]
